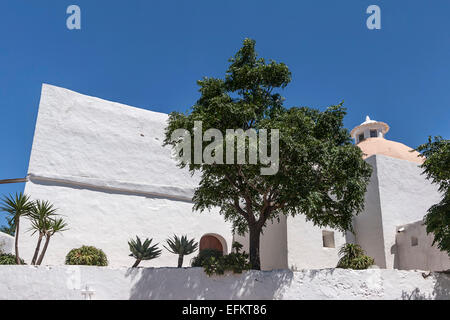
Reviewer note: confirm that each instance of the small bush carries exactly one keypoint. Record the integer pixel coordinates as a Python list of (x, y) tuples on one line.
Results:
[(9, 259), (353, 257), (87, 256), (204, 255), (235, 261)]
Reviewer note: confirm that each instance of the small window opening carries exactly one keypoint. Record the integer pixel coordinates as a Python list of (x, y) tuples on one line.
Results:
[(361, 137), (373, 133), (414, 241), (328, 239)]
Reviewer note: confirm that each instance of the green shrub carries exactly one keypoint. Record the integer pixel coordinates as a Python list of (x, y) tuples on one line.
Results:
[(353, 257), (88, 256), (235, 261), (203, 255), (9, 259)]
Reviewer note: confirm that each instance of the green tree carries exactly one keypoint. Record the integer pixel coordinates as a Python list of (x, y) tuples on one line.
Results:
[(10, 228), (16, 207), (143, 251), (436, 165), (182, 247), (41, 223), (321, 173)]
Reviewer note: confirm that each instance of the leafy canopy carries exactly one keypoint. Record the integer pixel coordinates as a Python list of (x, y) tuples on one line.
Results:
[(321, 174), (436, 153)]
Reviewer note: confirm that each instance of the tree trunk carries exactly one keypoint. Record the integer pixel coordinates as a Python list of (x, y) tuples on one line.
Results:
[(36, 251), (16, 242), (254, 247), (44, 249), (136, 263), (180, 261)]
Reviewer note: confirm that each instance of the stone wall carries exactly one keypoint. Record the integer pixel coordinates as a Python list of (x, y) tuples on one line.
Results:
[(75, 282)]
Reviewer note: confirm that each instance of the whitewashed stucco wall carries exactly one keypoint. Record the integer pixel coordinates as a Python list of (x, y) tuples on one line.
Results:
[(424, 255), (67, 282), (6, 243), (405, 197), (103, 166)]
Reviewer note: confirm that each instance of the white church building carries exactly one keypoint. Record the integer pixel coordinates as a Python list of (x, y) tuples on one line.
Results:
[(103, 166)]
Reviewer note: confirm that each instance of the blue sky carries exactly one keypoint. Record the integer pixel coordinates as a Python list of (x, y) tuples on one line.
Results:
[(149, 54)]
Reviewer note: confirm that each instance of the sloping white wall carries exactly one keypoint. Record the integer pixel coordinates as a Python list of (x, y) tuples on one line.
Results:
[(6, 243), (68, 282), (424, 255), (103, 166), (405, 196)]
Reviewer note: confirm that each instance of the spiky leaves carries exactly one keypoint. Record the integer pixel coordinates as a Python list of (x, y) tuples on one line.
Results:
[(143, 251), (181, 246), (16, 207), (352, 256)]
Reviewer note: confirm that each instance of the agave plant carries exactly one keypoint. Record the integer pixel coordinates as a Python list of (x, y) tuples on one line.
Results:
[(40, 217), (16, 207), (181, 246), (143, 251)]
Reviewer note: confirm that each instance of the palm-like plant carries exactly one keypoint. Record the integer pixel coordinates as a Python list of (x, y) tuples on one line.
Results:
[(181, 246), (56, 225), (16, 207), (40, 216), (143, 251)]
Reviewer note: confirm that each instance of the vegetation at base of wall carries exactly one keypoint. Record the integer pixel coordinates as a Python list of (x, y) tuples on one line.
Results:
[(203, 255), (235, 261), (181, 246), (352, 256), (9, 259), (88, 256), (143, 251)]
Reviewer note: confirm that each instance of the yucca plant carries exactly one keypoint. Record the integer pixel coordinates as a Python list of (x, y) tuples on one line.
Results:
[(40, 217), (55, 226), (16, 207), (353, 257), (143, 251), (181, 246)]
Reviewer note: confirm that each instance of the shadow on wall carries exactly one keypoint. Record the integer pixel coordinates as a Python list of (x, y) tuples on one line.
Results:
[(149, 283), (441, 290)]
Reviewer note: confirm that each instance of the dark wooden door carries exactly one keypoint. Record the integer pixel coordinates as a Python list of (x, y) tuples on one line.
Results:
[(210, 242)]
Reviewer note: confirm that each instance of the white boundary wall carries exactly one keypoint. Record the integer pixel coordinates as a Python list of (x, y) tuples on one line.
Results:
[(69, 282)]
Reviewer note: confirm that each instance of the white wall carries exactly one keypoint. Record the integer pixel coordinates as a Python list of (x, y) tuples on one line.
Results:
[(67, 282), (102, 164), (367, 225), (424, 255), (6, 243), (405, 197)]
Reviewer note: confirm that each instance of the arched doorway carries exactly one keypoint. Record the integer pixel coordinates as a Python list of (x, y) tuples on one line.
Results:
[(213, 241)]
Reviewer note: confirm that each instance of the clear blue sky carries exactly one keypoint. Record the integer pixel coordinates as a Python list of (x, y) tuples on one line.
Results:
[(149, 54)]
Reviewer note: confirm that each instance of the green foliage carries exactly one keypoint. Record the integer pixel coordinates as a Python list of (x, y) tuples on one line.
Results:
[(437, 168), (321, 173), (9, 228), (235, 261), (353, 257), (204, 255), (181, 245), (88, 256), (143, 251), (9, 259)]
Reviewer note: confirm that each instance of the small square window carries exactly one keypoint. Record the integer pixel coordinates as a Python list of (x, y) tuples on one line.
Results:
[(373, 133), (414, 241), (361, 137), (328, 239)]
